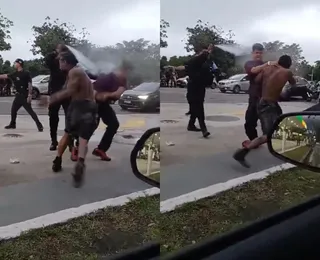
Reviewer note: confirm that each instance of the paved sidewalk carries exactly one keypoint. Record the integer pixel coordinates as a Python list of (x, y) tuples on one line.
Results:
[(30, 189), (194, 162)]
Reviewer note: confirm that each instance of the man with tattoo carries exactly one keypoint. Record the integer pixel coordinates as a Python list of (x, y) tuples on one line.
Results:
[(272, 79), (109, 88), (23, 84), (81, 118)]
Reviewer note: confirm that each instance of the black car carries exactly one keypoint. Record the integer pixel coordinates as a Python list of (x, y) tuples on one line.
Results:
[(301, 89), (146, 96)]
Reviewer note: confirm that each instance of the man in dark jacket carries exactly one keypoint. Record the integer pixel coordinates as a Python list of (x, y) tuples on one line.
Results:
[(200, 76), (56, 83)]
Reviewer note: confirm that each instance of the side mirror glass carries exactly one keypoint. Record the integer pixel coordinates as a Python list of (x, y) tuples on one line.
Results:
[(145, 157), (296, 139)]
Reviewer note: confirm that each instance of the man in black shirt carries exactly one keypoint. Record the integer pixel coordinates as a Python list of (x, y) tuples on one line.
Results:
[(56, 83), (200, 76), (23, 84)]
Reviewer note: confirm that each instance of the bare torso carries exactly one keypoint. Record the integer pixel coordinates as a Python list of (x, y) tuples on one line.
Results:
[(274, 79), (81, 84)]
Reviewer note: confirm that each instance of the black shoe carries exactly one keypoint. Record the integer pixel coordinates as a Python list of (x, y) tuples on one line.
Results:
[(193, 129), (188, 113), (53, 146), (10, 126), (40, 128), (57, 164), (206, 134), (239, 156), (78, 175)]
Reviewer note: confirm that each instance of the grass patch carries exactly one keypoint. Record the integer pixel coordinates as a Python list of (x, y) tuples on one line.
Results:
[(103, 233), (231, 209), (297, 154)]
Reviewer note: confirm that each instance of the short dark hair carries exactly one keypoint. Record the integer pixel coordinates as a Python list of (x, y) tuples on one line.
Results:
[(63, 47), (69, 58), (20, 61), (285, 61), (257, 47)]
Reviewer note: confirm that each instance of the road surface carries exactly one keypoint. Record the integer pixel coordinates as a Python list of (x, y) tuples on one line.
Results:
[(192, 162), (30, 189)]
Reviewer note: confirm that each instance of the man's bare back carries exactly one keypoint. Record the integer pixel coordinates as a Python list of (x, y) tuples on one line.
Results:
[(273, 80), (80, 85)]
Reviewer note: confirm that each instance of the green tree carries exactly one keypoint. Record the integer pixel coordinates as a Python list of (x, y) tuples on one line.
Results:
[(5, 25), (52, 32), (316, 71), (178, 61), (204, 34), (164, 25), (36, 67)]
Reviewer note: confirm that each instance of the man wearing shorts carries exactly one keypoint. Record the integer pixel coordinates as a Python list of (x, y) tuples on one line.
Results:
[(272, 79), (81, 118)]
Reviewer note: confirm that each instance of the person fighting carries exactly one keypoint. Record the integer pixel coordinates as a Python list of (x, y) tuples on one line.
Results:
[(253, 68), (109, 87), (81, 117), (56, 82), (200, 76), (23, 83), (272, 79)]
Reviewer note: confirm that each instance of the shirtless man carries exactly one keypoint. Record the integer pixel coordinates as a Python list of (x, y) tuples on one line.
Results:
[(81, 118), (273, 79)]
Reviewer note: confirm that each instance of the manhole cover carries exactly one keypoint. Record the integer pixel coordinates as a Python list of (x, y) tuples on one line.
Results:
[(12, 135), (128, 136), (222, 118), (169, 121)]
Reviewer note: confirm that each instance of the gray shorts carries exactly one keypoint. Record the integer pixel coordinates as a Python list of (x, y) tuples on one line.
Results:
[(268, 113), (82, 118)]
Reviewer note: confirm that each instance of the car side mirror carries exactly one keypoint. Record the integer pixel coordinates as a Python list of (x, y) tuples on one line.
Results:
[(296, 139), (145, 157)]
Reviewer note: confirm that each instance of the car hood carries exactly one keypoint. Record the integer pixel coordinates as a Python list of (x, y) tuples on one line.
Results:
[(137, 92), (227, 81)]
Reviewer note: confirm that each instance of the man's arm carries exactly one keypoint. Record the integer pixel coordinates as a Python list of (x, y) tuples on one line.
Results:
[(4, 76), (291, 78), (259, 77), (122, 86), (29, 85), (74, 78)]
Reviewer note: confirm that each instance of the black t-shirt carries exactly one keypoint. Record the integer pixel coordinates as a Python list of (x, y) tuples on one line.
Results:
[(21, 80)]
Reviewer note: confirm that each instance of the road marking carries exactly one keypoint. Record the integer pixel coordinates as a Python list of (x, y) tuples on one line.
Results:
[(14, 230), (173, 203), (128, 124)]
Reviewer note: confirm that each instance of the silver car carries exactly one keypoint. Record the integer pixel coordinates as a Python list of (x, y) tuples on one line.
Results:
[(40, 85), (236, 84)]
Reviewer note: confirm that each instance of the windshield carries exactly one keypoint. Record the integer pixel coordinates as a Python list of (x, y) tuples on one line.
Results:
[(38, 78), (147, 87), (237, 77)]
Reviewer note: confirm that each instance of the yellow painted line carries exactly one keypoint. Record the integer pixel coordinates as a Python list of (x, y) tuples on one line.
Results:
[(128, 124)]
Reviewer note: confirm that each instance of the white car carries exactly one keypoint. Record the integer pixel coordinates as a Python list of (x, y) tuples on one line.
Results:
[(40, 85), (236, 84)]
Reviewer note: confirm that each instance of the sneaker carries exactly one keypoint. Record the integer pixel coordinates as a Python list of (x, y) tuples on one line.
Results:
[(53, 146), (10, 126), (78, 175), (206, 134), (57, 164), (239, 156), (74, 154), (99, 153), (193, 129)]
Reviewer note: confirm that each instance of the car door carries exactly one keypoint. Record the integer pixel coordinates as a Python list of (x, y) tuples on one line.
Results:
[(43, 85), (244, 83)]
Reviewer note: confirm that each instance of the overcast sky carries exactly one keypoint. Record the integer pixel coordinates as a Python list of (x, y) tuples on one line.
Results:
[(107, 21), (291, 21)]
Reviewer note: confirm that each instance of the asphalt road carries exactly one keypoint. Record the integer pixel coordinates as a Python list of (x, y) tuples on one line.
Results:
[(178, 95), (5, 108)]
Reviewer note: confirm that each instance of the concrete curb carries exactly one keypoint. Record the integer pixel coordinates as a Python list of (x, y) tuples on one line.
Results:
[(172, 203)]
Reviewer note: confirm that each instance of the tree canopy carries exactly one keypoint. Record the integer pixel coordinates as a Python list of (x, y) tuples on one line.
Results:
[(163, 33)]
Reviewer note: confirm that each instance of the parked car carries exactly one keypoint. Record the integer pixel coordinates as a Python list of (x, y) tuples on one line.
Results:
[(146, 96), (302, 89), (236, 84), (40, 85)]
